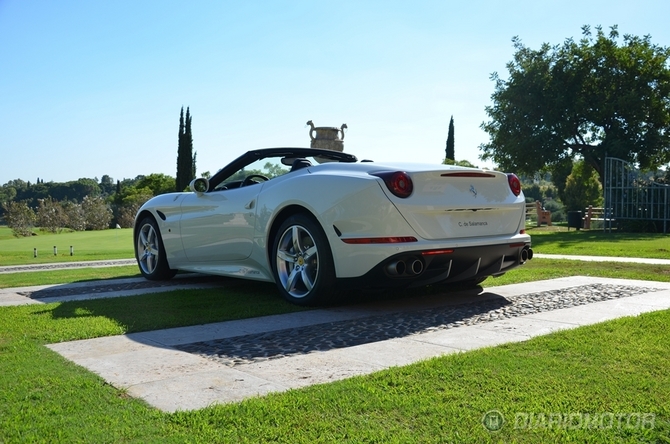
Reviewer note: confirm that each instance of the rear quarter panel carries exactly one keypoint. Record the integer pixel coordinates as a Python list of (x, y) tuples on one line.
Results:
[(354, 204)]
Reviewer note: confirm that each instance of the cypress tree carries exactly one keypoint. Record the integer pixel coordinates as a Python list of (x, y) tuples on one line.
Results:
[(189, 144), (185, 157), (450, 140)]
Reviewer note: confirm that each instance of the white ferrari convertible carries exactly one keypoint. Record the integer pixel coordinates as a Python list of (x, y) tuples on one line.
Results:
[(313, 221)]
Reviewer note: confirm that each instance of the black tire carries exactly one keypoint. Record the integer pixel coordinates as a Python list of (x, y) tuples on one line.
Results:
[(150, 252), (302, 262)]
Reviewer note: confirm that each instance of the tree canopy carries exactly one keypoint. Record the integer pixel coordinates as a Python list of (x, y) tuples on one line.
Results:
[(83, 204), (601, 96)]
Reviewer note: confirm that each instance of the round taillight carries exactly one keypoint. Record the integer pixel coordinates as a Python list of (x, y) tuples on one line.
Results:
[(514, 184), (398, 182)]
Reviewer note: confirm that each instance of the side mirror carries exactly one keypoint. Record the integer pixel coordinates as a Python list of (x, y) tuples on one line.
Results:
[(199, 185)]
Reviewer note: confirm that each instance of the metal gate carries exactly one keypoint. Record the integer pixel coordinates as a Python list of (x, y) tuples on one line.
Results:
[(633, 195)]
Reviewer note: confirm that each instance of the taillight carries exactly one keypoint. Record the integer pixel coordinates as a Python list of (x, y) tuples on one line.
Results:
[(398, 182), (514, 184), (467, 174), (379, 240)]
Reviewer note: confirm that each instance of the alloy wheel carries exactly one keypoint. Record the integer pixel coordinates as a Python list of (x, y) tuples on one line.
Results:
[(297, 261)]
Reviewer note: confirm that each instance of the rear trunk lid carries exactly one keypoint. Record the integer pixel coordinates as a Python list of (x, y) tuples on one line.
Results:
[(460, 203)]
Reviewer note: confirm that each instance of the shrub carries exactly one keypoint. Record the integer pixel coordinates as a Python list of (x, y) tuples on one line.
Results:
[(76, 220), (582, 188), (20, 218), (97, 213), (51, 216), (557, 210), (131, 201)]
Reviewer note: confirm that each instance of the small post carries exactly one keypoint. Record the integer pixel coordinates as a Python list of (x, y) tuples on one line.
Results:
[(55, 251), (71, 251), (34, 252)]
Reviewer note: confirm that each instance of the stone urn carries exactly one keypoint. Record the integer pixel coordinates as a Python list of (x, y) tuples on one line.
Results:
[(326, 137)]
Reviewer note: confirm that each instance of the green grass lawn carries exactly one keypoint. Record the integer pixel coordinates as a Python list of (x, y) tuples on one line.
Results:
[(616, 368), (27, 279), (599, 243), (87, 245)]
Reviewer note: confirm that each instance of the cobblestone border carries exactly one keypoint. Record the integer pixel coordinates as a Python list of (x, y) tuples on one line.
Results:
[(277, 344)]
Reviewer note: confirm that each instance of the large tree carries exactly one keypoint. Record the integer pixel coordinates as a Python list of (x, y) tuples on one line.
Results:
[(185, 155), (158, 183), (450, 141), (601, 96)]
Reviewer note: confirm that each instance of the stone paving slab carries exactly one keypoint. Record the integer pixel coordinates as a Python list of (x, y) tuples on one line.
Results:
[(637, 260), (64, 265), (199, 390), (104, 289), (527, 326), (146, 364), (313, 368), (148, 367), (470, 337), (393, 352)]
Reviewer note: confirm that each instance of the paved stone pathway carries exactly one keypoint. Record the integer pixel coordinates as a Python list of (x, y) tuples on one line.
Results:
[(341, 334), (192, 367)]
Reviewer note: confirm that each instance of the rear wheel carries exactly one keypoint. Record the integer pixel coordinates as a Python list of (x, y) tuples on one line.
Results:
[(302, 261), (150, 252)]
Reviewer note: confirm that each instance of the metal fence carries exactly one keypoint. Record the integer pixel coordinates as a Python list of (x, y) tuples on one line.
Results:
[(632, 195)]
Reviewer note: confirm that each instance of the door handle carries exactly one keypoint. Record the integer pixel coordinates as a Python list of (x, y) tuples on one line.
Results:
[(250, 205)]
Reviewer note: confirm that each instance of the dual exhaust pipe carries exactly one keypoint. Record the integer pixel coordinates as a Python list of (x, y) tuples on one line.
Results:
[(414, 266), (525, 254), (410, 266)]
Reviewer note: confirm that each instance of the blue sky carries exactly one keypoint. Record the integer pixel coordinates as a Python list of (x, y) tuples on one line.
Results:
[(89, 88)]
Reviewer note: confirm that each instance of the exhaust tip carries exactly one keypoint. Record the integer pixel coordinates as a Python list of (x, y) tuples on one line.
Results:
[(396, 268), (416, 267), (523, 255)]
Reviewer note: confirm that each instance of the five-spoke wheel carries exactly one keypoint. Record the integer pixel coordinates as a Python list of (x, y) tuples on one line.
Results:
[(150, 252), (302, 261)]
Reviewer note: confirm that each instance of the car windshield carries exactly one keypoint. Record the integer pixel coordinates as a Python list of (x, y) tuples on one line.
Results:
[(267, 168)]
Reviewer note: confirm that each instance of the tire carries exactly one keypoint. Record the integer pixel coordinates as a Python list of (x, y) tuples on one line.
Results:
[(302, 262), (150, 252)]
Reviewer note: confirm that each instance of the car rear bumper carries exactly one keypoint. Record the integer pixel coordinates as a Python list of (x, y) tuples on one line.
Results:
[(427, 267)]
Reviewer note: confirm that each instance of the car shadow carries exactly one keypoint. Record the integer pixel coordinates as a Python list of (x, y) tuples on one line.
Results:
[(101, 288), (377, 315), (386, 319)]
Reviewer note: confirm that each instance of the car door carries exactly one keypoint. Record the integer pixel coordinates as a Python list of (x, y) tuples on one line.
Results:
[(219, 225)]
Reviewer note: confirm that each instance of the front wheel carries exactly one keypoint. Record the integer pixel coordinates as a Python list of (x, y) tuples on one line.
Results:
[(150, 252), (302, 262)]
